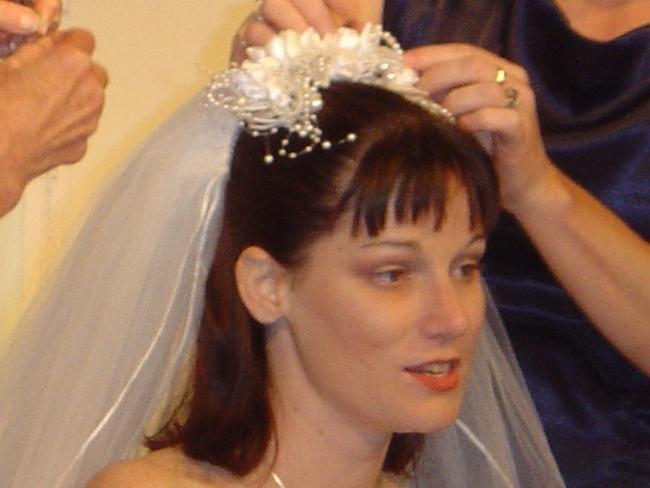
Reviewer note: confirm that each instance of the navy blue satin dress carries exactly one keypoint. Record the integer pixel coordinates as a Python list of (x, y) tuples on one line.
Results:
[(594, 104)]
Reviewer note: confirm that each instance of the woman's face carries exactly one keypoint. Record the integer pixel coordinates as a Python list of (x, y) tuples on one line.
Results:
[(382, 329)]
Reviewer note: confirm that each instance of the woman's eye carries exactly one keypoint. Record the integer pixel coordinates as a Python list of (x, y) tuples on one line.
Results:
[(389, 276), (469, 270)]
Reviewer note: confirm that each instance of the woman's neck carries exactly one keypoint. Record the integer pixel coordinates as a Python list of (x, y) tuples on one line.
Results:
[(604, 20), (320, 444), (319, 452)]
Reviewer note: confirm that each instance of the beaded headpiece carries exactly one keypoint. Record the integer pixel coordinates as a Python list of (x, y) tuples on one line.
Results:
[(279, 85)]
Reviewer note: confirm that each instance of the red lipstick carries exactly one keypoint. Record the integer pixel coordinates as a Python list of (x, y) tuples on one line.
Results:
[(437, 376)]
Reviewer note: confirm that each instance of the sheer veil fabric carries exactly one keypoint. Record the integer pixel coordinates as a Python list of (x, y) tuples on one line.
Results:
[(102, 352)]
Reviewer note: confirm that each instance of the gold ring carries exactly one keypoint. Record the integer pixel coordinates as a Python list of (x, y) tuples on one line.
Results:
[(512, 95), (500, 77)]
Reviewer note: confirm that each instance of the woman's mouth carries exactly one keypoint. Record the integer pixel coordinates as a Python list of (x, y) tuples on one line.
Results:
[(436, 375)]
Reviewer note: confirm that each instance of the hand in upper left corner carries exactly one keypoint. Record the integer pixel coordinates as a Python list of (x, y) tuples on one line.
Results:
[(51, 99), (23, 21)]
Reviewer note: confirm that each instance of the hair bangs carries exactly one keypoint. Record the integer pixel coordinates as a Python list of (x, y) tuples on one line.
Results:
[(413, 172)]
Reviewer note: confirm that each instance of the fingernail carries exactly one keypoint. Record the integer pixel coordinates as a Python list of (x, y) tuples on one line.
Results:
[(30, 23)]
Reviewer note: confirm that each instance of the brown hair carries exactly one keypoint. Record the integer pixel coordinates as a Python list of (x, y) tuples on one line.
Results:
[(402, 156)]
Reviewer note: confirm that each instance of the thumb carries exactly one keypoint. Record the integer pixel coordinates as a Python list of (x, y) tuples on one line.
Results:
[(17, 19)]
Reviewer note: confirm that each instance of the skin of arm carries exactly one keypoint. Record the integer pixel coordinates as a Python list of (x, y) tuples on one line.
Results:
[(51, 98), (598, 259)]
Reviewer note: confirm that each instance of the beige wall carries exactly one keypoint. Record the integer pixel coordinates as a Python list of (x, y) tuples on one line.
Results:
[(151, 49)]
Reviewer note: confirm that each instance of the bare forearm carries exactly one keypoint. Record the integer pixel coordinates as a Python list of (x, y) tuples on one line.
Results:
[(601, 262)]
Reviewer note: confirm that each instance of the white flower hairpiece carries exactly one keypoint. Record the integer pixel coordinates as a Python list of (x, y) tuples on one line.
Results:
[(278, 85)]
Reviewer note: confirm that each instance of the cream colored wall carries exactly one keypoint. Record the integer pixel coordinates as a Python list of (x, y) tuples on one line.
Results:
[(151, 49)]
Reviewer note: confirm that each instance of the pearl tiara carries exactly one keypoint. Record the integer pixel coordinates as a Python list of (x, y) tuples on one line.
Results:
[(279, 85)]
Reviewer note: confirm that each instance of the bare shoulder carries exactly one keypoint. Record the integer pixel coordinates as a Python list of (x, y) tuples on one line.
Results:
[(167, 468), (143, 472)]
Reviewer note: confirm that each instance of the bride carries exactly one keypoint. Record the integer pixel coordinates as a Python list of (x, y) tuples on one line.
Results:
[(323, 315)]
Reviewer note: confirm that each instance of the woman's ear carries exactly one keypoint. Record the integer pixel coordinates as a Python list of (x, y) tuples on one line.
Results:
[(261, 282)]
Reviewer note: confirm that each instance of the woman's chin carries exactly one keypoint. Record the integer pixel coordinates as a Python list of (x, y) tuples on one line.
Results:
[(432, 416)]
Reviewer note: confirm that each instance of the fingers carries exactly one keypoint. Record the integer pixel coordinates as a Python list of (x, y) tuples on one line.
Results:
[(491, 97), (487, 107), (421, 58), (323, 15), (502, 121), (297, 15), (272, 16), (250, 33), (80, 39), (10, 42), (66, 137), (20, 23), (49, 12), (447, 66), (100, 74), (283, 14), (18, 19), (317, 14), (70, 152), (54, 96), (469, 98), (11, 189), (269, 17), (356, 13), (258, 34), (90, 92), (29, 53), (474, 84), (76, 47)]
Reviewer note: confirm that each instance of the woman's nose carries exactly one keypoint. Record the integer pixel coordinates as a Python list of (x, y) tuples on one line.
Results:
[(446, 316)]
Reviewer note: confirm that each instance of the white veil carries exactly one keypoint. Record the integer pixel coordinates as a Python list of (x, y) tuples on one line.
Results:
[(101, 351), (497, 440)]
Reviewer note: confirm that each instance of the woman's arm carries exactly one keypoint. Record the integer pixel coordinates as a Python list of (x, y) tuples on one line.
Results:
[(600, 261)]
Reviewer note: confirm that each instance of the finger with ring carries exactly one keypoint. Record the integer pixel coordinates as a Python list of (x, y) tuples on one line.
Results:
[(512, 95), (501, 76)]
